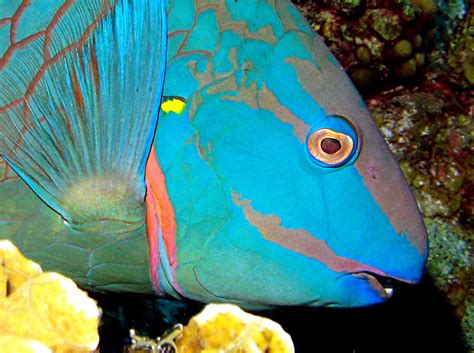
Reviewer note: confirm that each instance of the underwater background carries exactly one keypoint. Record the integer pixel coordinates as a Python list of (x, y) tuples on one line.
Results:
[(413, 62)]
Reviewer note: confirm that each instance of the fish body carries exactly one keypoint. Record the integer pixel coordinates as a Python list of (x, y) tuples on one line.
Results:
[(267, 184)]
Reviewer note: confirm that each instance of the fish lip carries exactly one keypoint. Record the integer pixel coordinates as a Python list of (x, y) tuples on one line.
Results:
[(384, 285)]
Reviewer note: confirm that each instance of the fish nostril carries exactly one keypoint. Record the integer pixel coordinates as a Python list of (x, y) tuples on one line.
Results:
[(372, 172)]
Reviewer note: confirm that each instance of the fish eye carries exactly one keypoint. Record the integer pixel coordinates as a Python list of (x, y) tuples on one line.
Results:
[(333, 142)]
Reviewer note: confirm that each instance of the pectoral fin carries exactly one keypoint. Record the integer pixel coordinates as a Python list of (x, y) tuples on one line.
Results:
[(80, 107)]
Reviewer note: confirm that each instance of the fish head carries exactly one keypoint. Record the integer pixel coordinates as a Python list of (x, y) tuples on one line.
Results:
[(297, 200)]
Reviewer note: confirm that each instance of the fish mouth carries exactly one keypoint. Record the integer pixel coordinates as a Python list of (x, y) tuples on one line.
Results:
[(385, 286)]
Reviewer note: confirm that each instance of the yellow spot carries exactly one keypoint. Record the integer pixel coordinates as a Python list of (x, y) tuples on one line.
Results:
[(174, 105)]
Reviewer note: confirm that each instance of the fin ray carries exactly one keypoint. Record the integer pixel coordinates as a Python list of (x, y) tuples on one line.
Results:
[(86, 107)]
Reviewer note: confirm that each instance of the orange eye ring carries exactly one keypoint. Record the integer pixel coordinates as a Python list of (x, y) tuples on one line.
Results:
[(330, 147)]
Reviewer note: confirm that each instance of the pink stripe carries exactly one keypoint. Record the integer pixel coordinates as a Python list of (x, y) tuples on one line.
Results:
[(152, 236), (159, 204)]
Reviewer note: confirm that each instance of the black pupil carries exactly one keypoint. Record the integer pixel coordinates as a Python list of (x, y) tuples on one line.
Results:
[(330, 145)]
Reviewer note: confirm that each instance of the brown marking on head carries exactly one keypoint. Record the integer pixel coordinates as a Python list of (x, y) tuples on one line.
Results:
[(268, 101), (226, 23), (228, 84), (265, 99), (299, 240), (246, 94), (209, 75)]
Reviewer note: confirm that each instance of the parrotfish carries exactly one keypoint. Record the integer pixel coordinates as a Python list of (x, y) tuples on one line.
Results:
[(205, 149)]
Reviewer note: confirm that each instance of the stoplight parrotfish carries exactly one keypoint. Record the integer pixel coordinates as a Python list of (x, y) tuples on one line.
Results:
[(212, 150)]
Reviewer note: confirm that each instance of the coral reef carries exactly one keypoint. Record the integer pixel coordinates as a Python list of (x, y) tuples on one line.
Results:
[(42, 312), (450, 266), (227, 328), (461, 50), (383, 43), (450, 259), (429, 129)]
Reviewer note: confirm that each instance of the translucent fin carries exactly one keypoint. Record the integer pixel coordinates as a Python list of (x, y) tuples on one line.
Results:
[(79, 114)]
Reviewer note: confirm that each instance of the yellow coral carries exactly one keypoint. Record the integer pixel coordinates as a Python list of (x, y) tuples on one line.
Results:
[(225, 328), (15, 344), (46, 307), (14, 268)]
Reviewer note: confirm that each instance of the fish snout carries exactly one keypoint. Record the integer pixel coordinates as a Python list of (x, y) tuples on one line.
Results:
[(389, 188)]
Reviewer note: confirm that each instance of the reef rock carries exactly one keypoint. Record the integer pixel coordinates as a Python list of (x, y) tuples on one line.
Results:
[(42, 312), (225, 328)]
